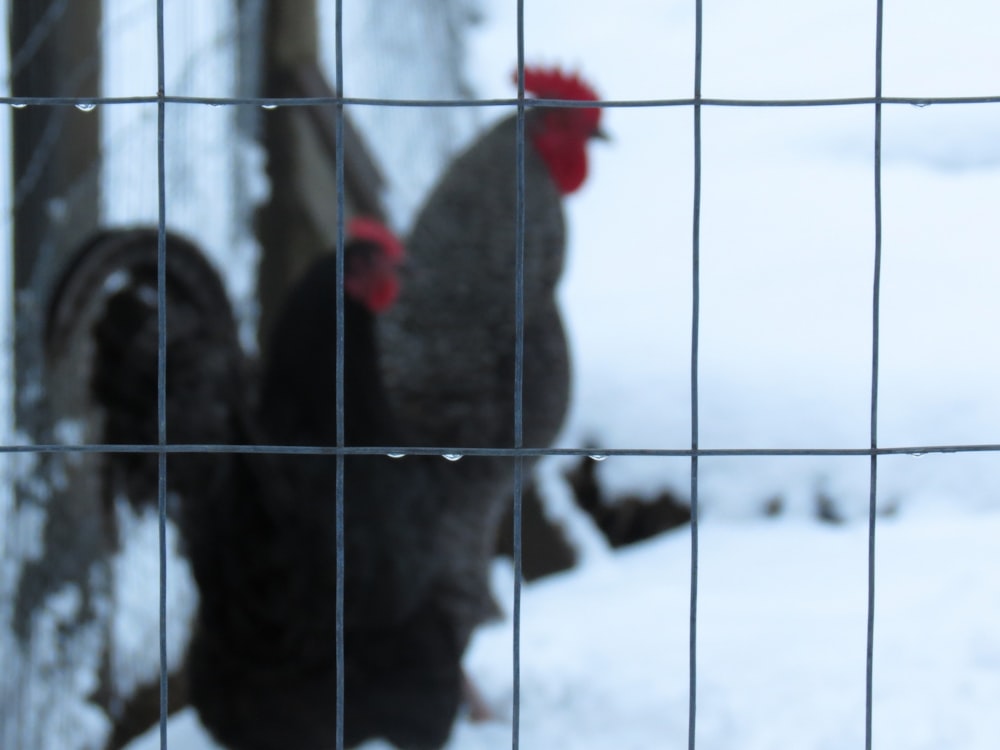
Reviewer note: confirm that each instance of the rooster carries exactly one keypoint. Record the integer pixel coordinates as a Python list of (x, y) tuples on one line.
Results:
[(448, 344), (260, 529)]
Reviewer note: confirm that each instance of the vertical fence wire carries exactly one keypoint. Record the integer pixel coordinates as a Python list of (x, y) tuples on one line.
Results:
[(876, 294), (339, 488), (519, 219), (695, 333), (161, 359)]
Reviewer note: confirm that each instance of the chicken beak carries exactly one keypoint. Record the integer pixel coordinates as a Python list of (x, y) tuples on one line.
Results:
[(601, 135)]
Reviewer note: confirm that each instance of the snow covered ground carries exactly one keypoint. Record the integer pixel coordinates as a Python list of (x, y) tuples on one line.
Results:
[(787, 243), (781, 644)]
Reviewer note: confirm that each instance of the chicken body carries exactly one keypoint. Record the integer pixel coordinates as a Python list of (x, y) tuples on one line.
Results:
[(260, 530), (448, 345)]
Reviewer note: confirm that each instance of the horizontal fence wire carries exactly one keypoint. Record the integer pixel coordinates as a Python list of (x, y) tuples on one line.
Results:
[(318, 101), (393, 451)]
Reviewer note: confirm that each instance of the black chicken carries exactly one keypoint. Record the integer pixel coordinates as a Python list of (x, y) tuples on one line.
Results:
[(448, 346), (260, 529)]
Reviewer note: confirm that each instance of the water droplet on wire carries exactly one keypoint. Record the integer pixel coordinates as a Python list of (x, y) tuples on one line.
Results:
[(598, 456), (86, 106), (268, 106), (395, 455), (19, 105), (451, 456)]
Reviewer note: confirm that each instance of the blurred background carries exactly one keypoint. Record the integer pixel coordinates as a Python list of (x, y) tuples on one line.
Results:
[(787, 262)]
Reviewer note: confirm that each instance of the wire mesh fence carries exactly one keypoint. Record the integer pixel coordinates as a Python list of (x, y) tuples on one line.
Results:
[(522, 104)]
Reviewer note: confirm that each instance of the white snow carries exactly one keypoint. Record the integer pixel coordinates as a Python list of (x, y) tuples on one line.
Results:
[(787, 261), (781, 644), (135, 576)]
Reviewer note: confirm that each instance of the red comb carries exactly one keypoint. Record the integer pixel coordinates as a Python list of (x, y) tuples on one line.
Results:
[(553, 83), (372, 230)]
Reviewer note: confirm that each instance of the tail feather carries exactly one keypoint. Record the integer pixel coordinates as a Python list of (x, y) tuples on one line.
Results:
[(111, 284), (128, 258)]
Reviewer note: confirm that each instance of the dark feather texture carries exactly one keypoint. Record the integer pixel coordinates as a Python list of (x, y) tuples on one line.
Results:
[(448, 345), (260, 530)]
